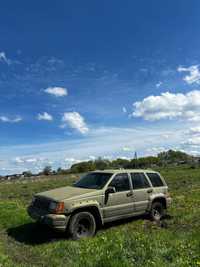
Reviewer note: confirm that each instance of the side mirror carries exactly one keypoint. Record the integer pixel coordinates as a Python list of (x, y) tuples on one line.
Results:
[(110, 190)]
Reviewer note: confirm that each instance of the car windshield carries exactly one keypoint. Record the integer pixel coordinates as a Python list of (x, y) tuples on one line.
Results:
[(93, 180)]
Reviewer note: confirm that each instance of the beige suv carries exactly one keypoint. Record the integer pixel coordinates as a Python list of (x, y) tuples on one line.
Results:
[(100, 197)]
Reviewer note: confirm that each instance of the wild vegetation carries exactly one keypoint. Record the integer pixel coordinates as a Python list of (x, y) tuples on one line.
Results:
[(133, 242)]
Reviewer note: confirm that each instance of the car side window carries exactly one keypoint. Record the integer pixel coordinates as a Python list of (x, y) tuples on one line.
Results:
[(155, 179), (120, 182), (139, 180)]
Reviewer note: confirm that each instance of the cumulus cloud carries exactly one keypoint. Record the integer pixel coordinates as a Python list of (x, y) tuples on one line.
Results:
[(169, 106), (75, 121), (158, 84), (193, 76), (192, 137), (10, 120), (44, 116), (56, 91), (33, 163), (4, 59), (124, 109)]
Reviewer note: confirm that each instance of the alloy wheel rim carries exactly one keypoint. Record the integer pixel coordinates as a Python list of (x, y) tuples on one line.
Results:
[(156, 214)]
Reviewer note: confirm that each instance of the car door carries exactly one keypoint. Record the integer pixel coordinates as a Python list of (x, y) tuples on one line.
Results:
[(141, 191), (120, 203)]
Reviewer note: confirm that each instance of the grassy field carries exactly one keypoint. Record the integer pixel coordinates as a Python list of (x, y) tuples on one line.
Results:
[(135, 242)]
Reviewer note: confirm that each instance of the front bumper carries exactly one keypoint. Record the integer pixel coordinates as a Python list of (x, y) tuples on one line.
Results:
[(56, 221)]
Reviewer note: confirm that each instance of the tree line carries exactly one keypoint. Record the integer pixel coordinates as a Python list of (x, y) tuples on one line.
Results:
[(165, 158)]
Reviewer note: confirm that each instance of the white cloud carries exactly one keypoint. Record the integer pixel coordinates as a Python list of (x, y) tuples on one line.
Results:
[(193, 141), (19, 160), (158, 84), (22, 160), (166, 136), (124, 109), (193, 76), (45, 116), (75, 121), (104, 142), (10, 120), (155, 150), (4, 59), (192, 137), (194, 130), (70, 159), (169, 106), (31, 160), (57, 91), (126, 148)]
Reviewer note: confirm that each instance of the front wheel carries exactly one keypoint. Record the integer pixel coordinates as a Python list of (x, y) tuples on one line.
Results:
[(82, 224), (157, 211)]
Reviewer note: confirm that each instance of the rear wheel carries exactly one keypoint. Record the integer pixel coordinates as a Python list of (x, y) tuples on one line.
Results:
[(157, 211), (82, 225)]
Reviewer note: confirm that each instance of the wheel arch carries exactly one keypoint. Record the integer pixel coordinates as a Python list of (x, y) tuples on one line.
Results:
[(160, 200), (94, 210)]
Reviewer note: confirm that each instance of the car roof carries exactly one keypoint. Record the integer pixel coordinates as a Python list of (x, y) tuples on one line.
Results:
[(113, 171)]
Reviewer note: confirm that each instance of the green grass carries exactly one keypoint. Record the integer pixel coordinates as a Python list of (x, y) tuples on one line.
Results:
[(133, 242)]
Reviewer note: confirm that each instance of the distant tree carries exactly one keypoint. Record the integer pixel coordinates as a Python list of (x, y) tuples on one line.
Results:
[(163, 158), (84, 166), (171, 156), (62, 171), (120, 163), (59, 170), (101, 164), (47, 170), (27, 174)]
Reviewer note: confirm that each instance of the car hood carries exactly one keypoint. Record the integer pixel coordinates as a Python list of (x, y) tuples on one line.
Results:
[(66, 192)]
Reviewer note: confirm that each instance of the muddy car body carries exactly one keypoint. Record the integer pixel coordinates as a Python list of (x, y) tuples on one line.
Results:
[(100, 197)]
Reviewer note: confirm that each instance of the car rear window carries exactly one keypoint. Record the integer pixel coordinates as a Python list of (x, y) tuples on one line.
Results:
[(155, 179)]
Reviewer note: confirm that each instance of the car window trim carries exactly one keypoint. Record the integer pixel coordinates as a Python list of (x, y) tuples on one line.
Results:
[(129, 179)]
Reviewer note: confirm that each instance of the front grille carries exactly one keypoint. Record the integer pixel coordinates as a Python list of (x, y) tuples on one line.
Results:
[(41, 203)]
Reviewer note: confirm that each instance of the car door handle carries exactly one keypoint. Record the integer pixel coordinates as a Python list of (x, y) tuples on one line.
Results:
[(149, 190), (129, 194)]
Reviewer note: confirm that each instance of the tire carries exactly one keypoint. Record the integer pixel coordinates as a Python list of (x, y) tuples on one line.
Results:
[(157, 211), (81, 225)]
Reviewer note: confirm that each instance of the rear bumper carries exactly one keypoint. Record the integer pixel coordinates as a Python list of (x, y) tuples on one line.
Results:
[(56, 221), (168, 201)]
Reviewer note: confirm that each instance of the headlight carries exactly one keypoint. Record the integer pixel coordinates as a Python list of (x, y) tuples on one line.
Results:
[(57, 207), (53, 206)]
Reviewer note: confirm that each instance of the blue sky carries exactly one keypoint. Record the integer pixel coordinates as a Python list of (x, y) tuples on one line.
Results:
[(83, 79)]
